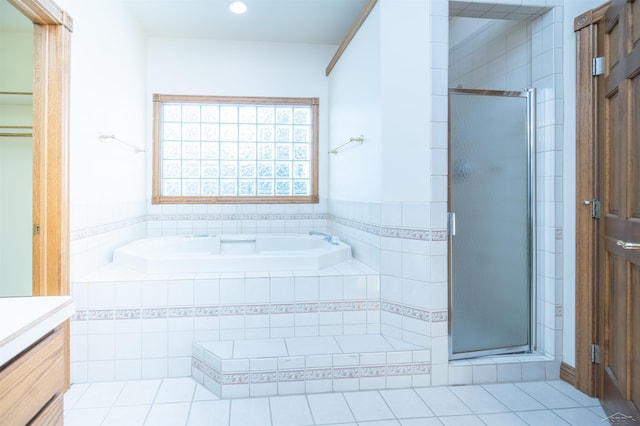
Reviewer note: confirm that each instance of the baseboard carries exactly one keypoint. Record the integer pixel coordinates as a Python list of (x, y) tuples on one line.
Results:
[(568, 374)]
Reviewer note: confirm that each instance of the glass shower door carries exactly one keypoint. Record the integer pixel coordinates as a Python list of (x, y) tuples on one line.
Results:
[(491, 187)]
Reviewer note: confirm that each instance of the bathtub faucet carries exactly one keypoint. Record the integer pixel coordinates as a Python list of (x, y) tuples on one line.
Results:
[(327, 237)]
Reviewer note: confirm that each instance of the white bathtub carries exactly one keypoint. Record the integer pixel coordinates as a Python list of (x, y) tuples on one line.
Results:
[(231, 253)]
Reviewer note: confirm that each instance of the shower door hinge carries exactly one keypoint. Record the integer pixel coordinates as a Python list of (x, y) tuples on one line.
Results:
[(595, 353), (451, 223), (598, 66)]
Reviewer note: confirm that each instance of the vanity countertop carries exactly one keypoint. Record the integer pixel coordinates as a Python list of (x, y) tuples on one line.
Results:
[(24, 320)]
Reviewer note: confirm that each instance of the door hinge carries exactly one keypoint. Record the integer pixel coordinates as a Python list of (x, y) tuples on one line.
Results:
[(36, 229), (595, 353), (595, 209), (451, 223), (598, 66)]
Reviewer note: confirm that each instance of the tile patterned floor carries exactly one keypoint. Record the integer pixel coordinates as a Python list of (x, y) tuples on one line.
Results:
[(181, 401)]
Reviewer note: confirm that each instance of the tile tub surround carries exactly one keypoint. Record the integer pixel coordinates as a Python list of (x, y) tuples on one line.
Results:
[(297, 365), (134, 326)]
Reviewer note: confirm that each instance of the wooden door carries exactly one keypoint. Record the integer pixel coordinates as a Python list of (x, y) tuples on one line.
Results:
[(619, 258)]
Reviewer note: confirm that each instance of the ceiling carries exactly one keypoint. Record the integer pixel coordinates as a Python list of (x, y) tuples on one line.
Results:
[(491, 10), (300, 21), (286, 21)]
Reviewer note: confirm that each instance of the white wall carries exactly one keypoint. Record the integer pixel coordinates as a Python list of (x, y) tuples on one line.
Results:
[(16, 51), (108, 94), (355, 109)]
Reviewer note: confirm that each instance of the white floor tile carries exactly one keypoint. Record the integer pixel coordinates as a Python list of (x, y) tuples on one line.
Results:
[(179, 389), (204, 394), (209, 413), (599, 411), (290, 411), (462, 421), (443, 402), (514, 398), (574, 393), (181, 401), (547, 395), (329, 408), (541, 417), (501, 419), (138, 392), (85, 416), (368, 406), (580, 416), (250, 412), (478, 400), (405, 403), (130, 416), (425, 421), (168, 414), (73, 394), (100, 395)]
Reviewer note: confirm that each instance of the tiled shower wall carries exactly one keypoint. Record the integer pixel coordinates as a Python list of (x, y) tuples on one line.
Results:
[(514, 55)]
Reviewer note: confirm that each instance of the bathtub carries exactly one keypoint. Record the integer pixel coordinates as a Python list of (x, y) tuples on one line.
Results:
[(231, 253)]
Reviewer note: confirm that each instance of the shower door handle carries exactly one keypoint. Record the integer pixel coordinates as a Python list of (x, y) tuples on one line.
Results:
[(628, 246), (451, 223)]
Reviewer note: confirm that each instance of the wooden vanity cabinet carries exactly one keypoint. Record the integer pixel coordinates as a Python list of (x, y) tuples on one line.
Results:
[(32, 384)]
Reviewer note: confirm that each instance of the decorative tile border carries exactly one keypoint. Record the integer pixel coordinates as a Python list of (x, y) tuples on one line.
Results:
[(275, 376), (415, 313), (92, 231), (226, 310), (260, 309), (236, 216), (378, 230)]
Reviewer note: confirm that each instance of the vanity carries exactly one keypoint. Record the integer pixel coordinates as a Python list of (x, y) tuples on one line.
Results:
[(32, 359)]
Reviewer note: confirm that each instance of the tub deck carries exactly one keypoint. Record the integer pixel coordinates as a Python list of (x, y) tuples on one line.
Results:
[(280, 366)]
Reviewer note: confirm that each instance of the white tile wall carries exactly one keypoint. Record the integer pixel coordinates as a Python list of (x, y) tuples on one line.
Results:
[(144, 327), (520, 55)]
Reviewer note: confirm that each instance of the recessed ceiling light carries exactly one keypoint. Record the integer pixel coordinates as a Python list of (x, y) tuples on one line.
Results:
[(238, 7)]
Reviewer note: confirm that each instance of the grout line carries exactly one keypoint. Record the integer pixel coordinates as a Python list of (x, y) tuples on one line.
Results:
[(313, 418)]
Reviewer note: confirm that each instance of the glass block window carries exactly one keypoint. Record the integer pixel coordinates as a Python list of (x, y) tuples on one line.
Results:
[(235, 150)]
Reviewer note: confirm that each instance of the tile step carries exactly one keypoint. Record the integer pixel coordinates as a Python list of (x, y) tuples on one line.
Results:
[(282, 366)]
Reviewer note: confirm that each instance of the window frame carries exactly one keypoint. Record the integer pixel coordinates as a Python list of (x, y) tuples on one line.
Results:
[(158, 198)]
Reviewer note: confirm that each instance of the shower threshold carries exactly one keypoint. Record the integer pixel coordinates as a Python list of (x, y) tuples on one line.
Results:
[(244, 368)]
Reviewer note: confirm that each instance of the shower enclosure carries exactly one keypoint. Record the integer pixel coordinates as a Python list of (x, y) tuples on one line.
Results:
[(491, 222)]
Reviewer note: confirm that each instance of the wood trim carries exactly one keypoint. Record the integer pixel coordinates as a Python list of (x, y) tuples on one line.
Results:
[(51, 159), (251, 100), (52, 41), (42, 12), (568, 373), (587, 228), (352, 33)]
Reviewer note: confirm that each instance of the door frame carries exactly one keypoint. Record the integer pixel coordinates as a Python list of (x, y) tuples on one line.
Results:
[(588, 28), (52, 42)]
